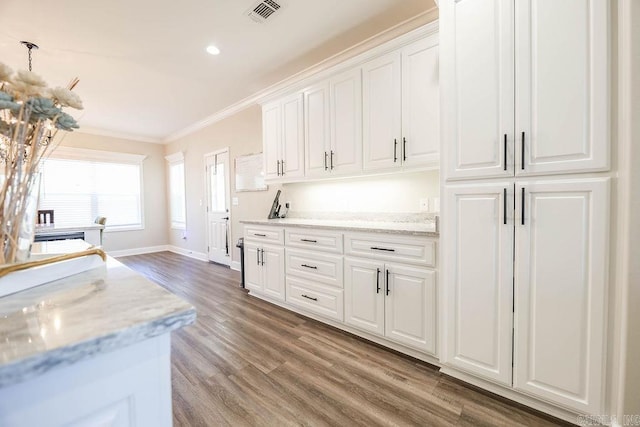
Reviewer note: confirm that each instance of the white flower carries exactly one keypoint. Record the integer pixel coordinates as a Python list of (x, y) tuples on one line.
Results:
[(29, 78), (5, 72), (66, 98)]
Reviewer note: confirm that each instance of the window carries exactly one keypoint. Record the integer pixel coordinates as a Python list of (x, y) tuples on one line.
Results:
[(177, 200), (80, 185)]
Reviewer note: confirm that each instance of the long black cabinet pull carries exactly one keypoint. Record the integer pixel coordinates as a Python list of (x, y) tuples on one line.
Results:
[(278, 168), (331, 160), (258, 256), (504, 206), (522, 203), (262, 251), (326, 167), (387, 281), (377, 280), (309, 240), (308, 297), (313, 267), (375, 248), (282, 165), (522, 153), (404, 149), (260, 235), (505, 151), (395, 150)]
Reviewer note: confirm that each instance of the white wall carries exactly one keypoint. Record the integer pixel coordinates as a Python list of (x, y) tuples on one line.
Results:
[(394, 193), (155, 212)]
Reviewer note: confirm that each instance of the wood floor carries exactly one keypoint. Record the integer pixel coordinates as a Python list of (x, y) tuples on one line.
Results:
[(248, 362)]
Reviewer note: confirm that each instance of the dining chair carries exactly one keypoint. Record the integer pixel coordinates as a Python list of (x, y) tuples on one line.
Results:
[(45, 216), (102, 221)]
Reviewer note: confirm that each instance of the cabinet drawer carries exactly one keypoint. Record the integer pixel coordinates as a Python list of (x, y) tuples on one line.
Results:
[(314, 240), (328, 302), (264, 234), (317, 267), (407, 249)]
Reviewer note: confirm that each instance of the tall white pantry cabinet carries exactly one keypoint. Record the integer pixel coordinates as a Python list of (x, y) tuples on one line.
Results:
[(525, 172)]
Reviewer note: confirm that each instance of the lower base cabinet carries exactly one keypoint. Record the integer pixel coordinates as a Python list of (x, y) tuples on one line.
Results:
[(265, 270), (392, 300), (323, 300)]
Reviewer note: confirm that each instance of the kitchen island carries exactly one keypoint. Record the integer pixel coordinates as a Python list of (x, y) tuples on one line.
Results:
[(92, 348)]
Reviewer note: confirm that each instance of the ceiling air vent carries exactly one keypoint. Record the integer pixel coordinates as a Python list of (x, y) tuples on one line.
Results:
[(264, 9)]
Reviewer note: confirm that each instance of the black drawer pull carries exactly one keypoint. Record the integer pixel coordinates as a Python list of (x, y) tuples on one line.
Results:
[(377, 280), (375, 248), (259, 235), (387, 282), (309, 266), (308, 297), (309, 240)]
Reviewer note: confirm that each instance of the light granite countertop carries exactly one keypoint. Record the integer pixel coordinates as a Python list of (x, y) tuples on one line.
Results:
[(424, 228), (75, 318)]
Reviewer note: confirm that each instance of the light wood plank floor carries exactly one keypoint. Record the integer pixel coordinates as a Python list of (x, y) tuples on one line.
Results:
[(248, 362)]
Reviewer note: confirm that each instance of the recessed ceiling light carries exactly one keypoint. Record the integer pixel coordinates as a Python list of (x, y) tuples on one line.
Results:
[(213, 50)]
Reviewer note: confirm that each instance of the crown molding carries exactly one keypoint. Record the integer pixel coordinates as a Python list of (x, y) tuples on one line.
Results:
[(378, 44), (119, 135)]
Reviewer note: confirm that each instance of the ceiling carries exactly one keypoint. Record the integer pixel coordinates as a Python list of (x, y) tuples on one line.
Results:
[(143, 69)]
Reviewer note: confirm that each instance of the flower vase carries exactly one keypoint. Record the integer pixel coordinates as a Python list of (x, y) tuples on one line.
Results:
[(19, 220)]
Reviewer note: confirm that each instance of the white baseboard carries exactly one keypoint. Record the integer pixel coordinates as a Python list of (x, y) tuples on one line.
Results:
[(188, 252), (235, 265), (138, 251)]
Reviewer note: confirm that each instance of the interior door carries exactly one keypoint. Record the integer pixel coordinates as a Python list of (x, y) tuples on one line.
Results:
[(218, 215), (561, 283), (410, 306), (477, 249)]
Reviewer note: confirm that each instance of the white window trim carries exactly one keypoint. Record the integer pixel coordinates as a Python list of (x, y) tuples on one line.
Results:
[(173, 159), (86, 154)]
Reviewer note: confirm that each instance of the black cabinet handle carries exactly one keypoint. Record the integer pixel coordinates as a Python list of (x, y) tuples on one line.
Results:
[(404, 149), (258, 256), (331, 160), (309, 240), (522, 154), (377, 280), (387, 281), (278, 168), (505, 151), (522, 206), (375, 248), (282, 163), (259, 235), (325, 161), (313, 267), (262, 250), (504, 207), (395, 150), (308, 297)]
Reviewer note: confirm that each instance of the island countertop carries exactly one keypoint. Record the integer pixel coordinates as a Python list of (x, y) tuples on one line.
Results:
[(426, 228), (75, 318)]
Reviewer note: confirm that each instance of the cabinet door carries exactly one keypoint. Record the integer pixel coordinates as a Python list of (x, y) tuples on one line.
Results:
[(477, 242), (562, 102), (273, 271), (253, 269), (293, 137), (476, 74), (421, 104), (410, 306), (271, 135), (381, 112), (316, 127), (346, 122), (364, 294), (561, 280)]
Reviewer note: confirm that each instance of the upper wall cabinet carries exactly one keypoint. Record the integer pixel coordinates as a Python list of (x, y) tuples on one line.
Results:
[(283, 138), (531, 87), (333, 126), (401, 108)]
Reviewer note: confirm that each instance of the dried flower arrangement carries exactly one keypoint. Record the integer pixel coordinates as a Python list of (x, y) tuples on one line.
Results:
[(30, 117)]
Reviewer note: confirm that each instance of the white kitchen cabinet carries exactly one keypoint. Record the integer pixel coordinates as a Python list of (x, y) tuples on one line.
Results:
[(561, 280), (477, 247), (555, 120), (264, 266), (392, 300), (548, 296), (401, 110), (333, 126), (283, 138)]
